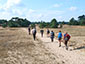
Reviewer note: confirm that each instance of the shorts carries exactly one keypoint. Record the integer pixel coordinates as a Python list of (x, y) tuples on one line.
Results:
[(59, 38)]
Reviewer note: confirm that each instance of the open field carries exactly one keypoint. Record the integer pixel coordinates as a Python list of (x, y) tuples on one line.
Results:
[(16, 47)]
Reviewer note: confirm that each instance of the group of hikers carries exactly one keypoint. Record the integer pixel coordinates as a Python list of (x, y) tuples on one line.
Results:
[(51, 34)]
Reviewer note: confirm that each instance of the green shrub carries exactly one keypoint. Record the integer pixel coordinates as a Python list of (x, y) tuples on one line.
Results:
[(4, 25)]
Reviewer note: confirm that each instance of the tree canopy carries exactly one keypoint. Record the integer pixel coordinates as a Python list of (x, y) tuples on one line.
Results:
[(73, 22), (16, 22), (80, 21), (54, 23)]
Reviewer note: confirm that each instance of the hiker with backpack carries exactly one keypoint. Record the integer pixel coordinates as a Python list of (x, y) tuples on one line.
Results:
[(34, 33), (29, 30), (66, 39), (48, 32), (59, 38), (52, 36), (42, 31)]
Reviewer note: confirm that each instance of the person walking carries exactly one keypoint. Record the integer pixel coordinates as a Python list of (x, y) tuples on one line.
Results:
[(59, 38), (52, 36), (34, 33), (48, 32), (29, 30), (66, 39), (42, 31)]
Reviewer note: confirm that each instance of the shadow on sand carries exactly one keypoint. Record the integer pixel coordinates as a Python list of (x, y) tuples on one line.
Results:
[(79, 48)]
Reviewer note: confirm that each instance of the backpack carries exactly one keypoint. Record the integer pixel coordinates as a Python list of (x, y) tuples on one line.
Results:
[(41, 31), (48, 31), (34, 31), (67, 37), (52, 33)]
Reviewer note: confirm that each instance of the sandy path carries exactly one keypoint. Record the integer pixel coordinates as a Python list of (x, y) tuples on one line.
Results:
[(69, 57)]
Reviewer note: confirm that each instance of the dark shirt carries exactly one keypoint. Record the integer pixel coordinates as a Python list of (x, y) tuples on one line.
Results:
[(41, 31), (52, 35)]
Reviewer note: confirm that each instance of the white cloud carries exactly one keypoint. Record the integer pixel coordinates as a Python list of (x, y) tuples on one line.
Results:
[(59, 17), (17, 12), (5, 15), (30, 11), (11, 9), (56, 5), (9, 4), (40, 16), (82, 10), (46, 15), (34, 15), (73, 8), (57, 12)]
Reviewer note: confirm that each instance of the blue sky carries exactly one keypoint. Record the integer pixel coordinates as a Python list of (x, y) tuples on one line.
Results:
[(46, 10)]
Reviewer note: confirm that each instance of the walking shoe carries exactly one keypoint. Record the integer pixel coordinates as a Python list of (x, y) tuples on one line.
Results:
[(59, 45), (66, 48)]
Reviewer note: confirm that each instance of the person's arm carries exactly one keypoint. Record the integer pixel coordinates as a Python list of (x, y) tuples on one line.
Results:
[(56, 35), (49, 35), (63, 36)]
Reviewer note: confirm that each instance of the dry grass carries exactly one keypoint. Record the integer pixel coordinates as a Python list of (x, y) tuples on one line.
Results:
[(77, 33), (16, 47)]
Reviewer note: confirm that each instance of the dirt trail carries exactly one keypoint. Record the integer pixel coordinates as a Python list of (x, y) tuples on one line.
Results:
[(69, 57)]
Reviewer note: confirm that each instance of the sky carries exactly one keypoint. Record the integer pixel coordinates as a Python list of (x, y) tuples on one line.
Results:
[(46, 10)]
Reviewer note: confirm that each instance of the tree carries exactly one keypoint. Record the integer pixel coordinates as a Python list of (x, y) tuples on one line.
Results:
[(25, 23), (81, 17), (44, 24), (81, 20), (3, 21), (54, 23), (18, 22), (73, 22), (12, 24), (63, 22), (4, 25), (33, 25)]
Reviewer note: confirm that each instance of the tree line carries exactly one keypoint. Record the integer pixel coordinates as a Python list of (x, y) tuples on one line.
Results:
[(15, 22), (20, 22), (55, 24), (80, 21)]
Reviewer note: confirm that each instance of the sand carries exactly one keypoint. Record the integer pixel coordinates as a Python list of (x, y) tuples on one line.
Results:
[(69, 56)]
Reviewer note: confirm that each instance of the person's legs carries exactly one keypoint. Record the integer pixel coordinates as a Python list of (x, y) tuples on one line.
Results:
[(59, 42), (51, 39), (66, 45), (34, 36), (41, 34), (29, 32)]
